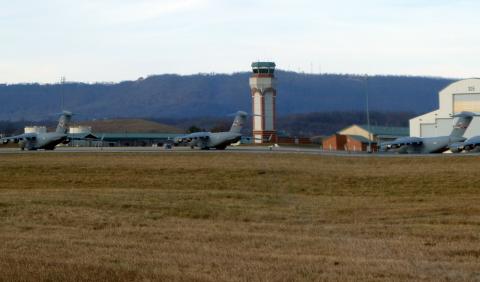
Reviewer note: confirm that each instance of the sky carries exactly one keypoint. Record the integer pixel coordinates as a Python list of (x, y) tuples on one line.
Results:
[(116, 40)]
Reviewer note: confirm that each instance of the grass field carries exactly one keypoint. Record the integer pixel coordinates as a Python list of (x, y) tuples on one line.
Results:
[(238, 217)]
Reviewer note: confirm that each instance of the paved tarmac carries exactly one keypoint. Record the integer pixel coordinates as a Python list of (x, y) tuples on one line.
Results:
[(182, 149), (231, 149)]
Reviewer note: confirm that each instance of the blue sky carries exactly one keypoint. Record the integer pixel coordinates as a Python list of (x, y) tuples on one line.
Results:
[(114, 40)]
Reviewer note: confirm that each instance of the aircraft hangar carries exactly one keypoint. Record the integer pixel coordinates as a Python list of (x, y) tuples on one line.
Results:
[(463, 95)]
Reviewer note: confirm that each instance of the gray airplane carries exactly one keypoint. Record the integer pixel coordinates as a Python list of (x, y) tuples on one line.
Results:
[(46, 141), (217, 140), (470, 145), (428, 145)]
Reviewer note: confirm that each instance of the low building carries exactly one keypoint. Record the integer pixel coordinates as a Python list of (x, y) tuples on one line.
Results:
[(80, 129), (318, 139), (463, 95), (294, 140), (286, 140), (336, 142), (358, 137), (135, 139), (35, 129), (121, 139), (377, 134), (351, 143), (123, 132)]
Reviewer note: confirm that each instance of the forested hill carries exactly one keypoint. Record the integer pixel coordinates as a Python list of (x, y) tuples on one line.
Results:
[(176, 96)]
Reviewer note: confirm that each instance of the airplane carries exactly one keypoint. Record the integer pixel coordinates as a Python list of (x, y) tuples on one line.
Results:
[(217, 140), (470, 145), (46, 141), (429, 145)]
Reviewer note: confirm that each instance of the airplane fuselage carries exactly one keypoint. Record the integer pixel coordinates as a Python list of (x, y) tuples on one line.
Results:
[(221, 139), (46, 141), (473, 144), (470, 145), (217, 140), (207, 140), (428, 145), (431, 145)]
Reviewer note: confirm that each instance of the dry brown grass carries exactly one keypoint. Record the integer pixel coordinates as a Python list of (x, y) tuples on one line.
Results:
[(238, 217)]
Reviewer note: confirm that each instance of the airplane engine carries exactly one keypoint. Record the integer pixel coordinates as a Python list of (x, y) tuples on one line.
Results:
[(456, 147), (474, 148), (393, 146), (5, 141)]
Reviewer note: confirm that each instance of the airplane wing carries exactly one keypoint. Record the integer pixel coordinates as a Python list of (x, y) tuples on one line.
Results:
[(198, 139), (402, 142), (17, 138), (192, 137)]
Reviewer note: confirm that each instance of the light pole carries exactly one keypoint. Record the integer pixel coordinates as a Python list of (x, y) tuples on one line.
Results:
[(364, 81), (62, 92), (369, 149)]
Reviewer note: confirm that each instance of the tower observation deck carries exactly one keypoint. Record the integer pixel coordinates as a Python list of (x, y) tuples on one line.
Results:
[(263, 68)]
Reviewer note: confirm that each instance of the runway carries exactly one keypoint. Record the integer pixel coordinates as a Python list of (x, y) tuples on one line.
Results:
[(231, 149)]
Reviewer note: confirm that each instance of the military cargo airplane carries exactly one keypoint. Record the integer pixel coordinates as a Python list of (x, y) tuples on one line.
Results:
[(470, 145), (217, 140), (46, 141), (428, 145)]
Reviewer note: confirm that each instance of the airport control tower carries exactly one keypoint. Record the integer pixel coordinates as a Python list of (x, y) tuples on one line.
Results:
[(262, 85)]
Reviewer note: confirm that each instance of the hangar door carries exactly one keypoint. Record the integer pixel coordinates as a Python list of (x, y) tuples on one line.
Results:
[(428, 130), (466, 102), (441, 128)]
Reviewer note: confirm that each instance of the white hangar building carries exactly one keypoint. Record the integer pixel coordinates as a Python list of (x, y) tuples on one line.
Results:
[(463, 95)]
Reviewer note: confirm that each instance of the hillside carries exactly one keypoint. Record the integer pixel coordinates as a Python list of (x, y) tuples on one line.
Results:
[(305, 124), (174, 96), (130, 125)]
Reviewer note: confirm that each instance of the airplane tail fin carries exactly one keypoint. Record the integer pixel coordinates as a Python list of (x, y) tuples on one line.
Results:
[(464, 120), (239, 122), (64, 122)]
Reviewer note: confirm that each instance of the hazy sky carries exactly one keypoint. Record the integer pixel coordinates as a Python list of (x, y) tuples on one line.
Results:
[(113, 40)]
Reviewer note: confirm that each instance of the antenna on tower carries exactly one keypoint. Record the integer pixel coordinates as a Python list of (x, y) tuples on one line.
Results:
[(62, 92)]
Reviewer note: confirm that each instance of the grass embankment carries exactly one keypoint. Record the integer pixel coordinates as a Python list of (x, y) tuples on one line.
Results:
[(201, 217)]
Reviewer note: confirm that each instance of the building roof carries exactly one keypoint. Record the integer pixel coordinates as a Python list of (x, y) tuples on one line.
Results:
[(82, 136), (263, 65), (464, 83), (386, 130)]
